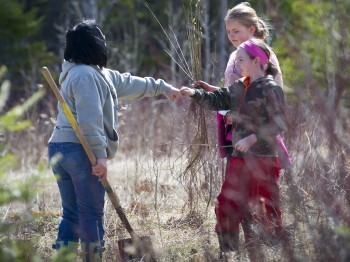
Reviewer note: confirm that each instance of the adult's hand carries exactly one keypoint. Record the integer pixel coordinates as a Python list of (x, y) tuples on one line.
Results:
[(186, 91), (100, 169), (174, 94)]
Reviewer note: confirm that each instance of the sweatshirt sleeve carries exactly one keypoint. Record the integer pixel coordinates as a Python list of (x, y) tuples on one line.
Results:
[(130, 87), (216, 100), (89, 101)]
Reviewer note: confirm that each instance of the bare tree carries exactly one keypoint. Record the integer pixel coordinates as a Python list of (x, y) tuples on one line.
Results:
[(222, 42), (206, 44), (174, 16), (89, 8)]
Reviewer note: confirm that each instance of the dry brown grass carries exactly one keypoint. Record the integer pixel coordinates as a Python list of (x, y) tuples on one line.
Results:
[(146, 175)]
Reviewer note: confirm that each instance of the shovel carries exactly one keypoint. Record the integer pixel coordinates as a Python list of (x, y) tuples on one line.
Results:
[(136, 247)]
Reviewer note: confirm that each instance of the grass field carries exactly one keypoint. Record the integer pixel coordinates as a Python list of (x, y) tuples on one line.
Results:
[(147, 175)]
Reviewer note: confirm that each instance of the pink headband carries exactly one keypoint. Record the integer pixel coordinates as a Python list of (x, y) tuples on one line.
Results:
[(255, 51)]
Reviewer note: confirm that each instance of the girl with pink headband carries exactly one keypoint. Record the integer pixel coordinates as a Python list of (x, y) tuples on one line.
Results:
[(256, 103), (242, 23), (255, 51)]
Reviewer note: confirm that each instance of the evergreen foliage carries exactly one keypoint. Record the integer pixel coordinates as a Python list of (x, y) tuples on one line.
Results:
[(21, 49), (14, 191), (310, 38)]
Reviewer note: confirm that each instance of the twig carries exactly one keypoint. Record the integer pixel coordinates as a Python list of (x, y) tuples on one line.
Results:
[(156, 171), (188, 73), (5, 215), (191, 77), (177, 42)]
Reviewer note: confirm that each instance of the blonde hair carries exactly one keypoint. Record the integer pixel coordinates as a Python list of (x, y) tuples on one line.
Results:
[(248, 17)]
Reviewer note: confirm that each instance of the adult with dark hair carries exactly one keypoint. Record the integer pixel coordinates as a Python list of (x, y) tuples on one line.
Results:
[(91, 91)]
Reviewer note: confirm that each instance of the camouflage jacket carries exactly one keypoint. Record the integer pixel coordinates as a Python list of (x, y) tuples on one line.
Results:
[(257, 109)]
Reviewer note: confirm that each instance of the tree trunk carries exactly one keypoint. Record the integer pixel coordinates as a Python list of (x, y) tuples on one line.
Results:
[(56, 24), (89, 9), (341, 78), (222, 39), (206, 45), (175, 12)]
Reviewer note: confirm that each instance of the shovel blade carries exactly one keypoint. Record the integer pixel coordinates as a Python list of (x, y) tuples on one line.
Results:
[(141, 249)]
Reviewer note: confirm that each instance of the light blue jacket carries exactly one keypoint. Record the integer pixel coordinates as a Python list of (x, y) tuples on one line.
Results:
[(92, 95)]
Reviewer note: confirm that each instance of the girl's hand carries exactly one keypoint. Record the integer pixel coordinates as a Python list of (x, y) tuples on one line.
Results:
[(205, 86), (100, 169), (228, 118), (186, 91), (174, 94), (246, 143)]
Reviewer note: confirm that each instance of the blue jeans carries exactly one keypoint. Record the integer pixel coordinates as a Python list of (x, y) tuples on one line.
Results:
[(81, 193)]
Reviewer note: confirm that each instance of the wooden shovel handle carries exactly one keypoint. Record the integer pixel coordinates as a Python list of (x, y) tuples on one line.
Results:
[(112, 196)]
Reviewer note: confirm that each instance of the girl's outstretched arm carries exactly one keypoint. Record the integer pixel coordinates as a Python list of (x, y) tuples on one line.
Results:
[(216, 100), (205, 86)]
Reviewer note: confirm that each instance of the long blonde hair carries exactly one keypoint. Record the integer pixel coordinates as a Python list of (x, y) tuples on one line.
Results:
[(248, 17)]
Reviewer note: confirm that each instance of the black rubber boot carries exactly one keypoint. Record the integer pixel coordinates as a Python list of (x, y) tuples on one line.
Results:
[(228, 241), (66, 250), (92, 251)]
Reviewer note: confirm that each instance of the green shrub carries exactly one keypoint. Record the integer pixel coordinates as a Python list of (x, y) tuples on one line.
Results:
[(14, 249)]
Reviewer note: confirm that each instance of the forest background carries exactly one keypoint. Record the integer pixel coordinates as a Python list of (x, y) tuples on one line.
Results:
[(158, 138)]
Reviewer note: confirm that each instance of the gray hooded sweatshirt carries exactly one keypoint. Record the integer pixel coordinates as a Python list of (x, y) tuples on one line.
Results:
[(92, 95)]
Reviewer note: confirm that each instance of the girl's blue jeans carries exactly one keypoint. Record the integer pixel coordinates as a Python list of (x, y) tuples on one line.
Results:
[(82, 194)]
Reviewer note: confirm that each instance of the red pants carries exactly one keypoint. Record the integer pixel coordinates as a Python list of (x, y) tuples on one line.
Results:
[(250, 187)]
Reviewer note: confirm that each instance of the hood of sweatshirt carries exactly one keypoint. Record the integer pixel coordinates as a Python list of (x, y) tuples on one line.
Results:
[(66, 66)]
